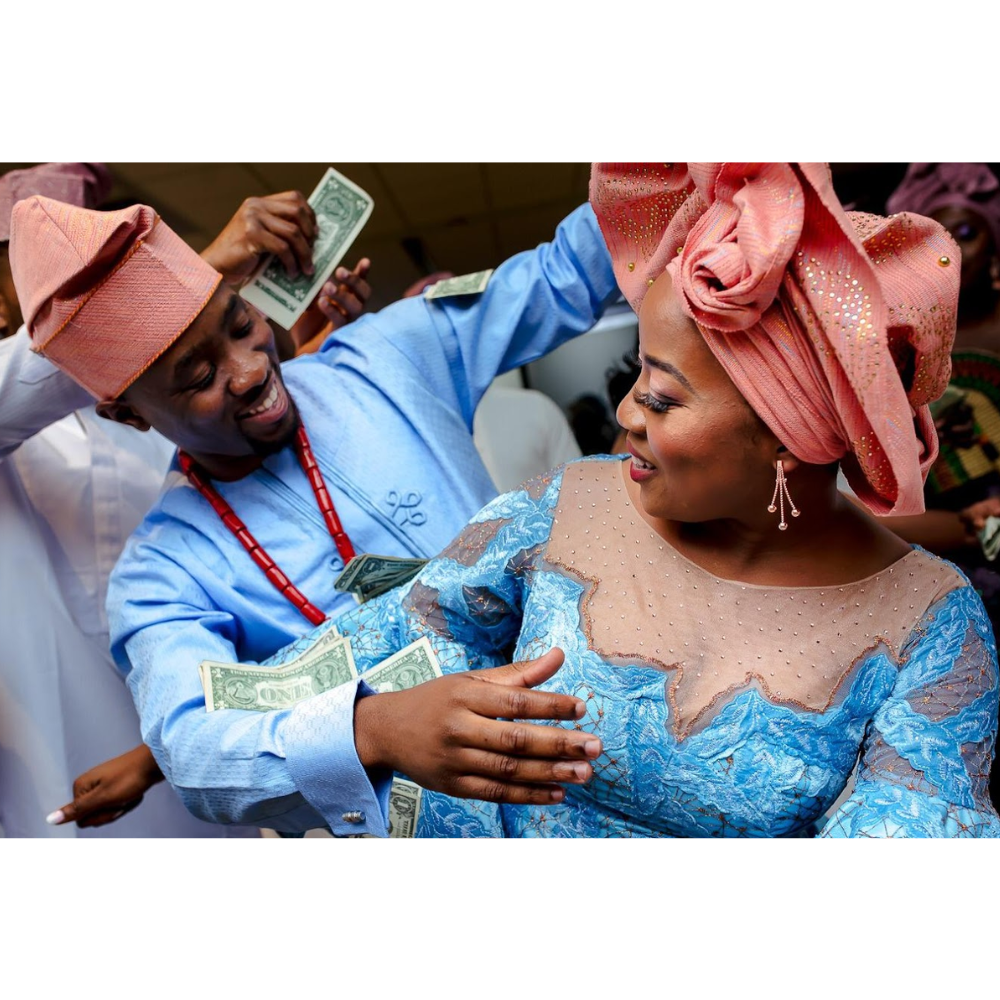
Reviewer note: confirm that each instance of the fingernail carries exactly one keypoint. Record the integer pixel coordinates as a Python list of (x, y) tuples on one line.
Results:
[(556, 795), (55, 818), (581, 710), (341, 273), (592, 747), (581, 771)]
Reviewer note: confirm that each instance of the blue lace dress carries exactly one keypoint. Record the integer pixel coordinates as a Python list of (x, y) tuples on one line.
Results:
[(725, 709)]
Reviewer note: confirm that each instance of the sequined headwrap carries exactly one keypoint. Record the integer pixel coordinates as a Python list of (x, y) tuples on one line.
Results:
[(836, 328)]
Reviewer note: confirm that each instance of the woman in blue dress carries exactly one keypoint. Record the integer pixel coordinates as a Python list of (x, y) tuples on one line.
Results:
[(744, 637)]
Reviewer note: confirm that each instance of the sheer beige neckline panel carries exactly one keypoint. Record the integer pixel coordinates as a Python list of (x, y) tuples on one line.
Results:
[(645, 603)]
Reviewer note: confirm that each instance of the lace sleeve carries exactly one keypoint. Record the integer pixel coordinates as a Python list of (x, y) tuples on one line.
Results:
[(469, 600), (926, 757)]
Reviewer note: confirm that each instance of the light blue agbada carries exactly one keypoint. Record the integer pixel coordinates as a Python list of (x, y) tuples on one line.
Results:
[(388, 403)]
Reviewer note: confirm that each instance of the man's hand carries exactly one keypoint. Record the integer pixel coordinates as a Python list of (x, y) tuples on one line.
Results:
[(452, 734), (974, 517), (110, 790), (281, 224), (340, 301)]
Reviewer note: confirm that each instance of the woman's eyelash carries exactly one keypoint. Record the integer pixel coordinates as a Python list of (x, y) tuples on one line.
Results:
[(651, 402)]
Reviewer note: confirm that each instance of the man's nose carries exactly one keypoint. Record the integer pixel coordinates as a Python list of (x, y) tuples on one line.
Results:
[(249, 372)]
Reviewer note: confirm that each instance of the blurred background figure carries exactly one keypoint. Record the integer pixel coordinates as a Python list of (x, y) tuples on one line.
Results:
[(963, 487), (73, 487)]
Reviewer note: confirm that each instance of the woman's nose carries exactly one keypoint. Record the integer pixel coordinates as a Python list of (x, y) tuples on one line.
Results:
[(629, 415)]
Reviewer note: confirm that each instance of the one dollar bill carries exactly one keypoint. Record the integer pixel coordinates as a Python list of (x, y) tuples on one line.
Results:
[(465, 284), (369, 576), (264, 689), (342, 209), (409, 667)]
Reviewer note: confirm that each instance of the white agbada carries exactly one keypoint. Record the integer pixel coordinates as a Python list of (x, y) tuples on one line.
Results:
[(72, 489)]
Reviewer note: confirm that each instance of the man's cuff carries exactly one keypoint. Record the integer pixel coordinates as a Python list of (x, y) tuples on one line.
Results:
[(323, 762)]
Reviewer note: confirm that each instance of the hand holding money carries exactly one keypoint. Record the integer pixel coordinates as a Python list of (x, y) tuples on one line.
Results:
[(280, 224), (451, 734)]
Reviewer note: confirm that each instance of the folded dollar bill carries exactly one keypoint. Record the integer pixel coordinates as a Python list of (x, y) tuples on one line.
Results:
[(369, 576)]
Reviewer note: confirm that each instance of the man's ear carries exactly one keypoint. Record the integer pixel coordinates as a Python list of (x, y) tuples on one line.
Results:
[(121, 413)]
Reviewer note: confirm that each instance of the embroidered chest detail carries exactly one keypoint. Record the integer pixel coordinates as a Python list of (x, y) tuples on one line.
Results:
[(404, 508), (645, 604)]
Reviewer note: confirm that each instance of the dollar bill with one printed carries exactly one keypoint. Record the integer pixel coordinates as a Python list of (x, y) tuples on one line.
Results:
[(368, 575), (264, 689), (989, 538), (404, 807), (465, 284), (342, 209), (407, 668)]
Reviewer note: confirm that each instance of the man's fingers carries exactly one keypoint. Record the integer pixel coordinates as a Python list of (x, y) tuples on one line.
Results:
[(525, 770), (294, 206), (353, 283), (293, 235), (530, 673), (522, 739), (471, 787)]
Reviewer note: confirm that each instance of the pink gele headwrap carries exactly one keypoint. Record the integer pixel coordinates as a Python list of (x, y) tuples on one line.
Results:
[(836, 328), (930, 186), (83, 184), (104, 294)]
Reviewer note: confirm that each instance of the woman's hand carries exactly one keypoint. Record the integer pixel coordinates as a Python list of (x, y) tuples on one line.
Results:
[(110, 790), (452, 734)]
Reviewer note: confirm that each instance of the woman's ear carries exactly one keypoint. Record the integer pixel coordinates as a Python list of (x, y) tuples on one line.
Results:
[(121, 413), (788, 461)]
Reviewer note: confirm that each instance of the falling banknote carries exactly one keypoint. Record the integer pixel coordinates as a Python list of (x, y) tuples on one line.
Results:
[(465, 284), (342, 209)]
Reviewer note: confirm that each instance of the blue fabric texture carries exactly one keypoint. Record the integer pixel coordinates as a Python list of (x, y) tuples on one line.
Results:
[(923, 724)]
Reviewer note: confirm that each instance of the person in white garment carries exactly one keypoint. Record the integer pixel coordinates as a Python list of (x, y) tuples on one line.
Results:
[(73, 487), (521, 433)]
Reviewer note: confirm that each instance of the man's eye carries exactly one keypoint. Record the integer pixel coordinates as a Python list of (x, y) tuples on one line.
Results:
[(966, 232), (205, 382), (242, 331)]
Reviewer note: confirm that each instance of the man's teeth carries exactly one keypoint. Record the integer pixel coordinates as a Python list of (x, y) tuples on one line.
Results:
[(272, 398), (640, 464)]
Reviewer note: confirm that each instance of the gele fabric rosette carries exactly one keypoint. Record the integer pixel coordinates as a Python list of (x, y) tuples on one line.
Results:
[(836, 327)]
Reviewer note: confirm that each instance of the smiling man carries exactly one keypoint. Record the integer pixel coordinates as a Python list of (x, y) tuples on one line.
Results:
[(284, 473)]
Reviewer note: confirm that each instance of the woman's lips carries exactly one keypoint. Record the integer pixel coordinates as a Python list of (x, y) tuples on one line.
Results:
[(640, 469)]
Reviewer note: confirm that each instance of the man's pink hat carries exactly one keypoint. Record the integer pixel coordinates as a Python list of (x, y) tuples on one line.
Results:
[(104, 294), (836, 328), (83, 184)]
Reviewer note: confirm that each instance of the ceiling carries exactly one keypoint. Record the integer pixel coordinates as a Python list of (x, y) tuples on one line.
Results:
[(428, 216)]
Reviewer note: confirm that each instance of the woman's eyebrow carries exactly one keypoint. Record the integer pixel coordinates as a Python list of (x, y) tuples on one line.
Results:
[(666, 366)]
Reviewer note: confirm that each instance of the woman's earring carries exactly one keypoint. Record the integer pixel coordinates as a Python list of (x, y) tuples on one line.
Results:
[(780, 493)]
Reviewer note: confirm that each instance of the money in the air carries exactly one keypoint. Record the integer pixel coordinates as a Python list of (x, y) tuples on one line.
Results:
[(342, 209)]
